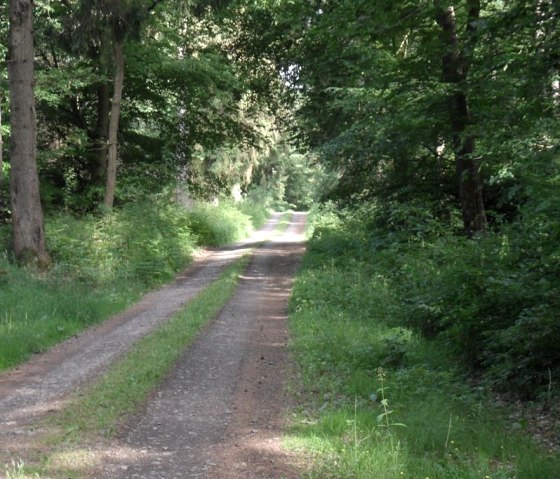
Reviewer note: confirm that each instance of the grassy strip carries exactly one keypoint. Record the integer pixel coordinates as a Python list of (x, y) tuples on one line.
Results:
[(379, 400), (98, 410), (284, 222)]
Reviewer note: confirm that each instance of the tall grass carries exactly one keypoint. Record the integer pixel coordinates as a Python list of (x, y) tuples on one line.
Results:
[(41, 310), (215, 226), (102, 264), (380, 400)]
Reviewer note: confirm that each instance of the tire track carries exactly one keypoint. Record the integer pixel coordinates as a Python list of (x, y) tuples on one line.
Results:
[(219, 414)]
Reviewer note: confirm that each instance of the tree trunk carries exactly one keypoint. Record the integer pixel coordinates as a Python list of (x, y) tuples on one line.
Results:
[(1, 156), (114, 124), (27, 214), (103, 108), (455, 67)]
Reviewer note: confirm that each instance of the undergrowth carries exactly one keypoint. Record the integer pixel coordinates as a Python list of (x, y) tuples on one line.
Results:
[(382, 398), (101, 265)]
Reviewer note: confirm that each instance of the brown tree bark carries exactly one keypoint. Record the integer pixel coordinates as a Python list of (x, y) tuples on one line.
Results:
[(112, 155), (1, 153), (27, 214), (455, 66), (102, 140)]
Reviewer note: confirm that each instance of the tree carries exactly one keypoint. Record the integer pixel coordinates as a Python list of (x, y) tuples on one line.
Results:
[(3, 81), (115, 112), (381, 88), (111, 23), (27, 215), (1, 150), (182, 91), (455, 68)]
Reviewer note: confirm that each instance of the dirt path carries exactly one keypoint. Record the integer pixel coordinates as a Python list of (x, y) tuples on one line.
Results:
[(220, 412)]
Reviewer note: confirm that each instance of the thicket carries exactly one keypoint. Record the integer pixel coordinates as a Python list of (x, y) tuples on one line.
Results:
[(382, 399), (191, 120), (491, 300)]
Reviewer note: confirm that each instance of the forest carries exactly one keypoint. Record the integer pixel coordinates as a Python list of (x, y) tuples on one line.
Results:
[(423, 136)]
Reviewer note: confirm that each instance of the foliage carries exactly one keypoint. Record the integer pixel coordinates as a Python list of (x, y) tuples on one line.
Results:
[(219, 225), (491, 299), (419, 416), (146, 242), (183, 94), (292, 179), (365, 86), (287, 102), (366, 90), (257, 205)]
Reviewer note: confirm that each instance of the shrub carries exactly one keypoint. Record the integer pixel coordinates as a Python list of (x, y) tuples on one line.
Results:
[(492, 299), (147, 242), (222, 224)]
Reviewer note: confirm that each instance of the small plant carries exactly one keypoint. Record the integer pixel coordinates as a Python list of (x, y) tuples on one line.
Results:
[(383, 419), (17, 471)]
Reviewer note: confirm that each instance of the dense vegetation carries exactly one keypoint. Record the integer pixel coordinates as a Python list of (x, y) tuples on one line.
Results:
[(189, 113), (382, 400), (441, 122)]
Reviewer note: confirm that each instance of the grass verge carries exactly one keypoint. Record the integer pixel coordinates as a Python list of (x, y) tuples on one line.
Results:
[(380, 401), (97, 411), (284, 221)]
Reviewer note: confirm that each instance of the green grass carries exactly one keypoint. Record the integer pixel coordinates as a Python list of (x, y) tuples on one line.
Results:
[(220, 225), (422, 419), (257, 209), (38, 311), (284, 221)]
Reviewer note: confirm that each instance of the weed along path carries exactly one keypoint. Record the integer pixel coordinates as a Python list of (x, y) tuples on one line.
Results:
[(218, 413)]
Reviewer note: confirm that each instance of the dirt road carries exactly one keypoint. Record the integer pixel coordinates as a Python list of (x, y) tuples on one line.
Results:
[(220, 412)]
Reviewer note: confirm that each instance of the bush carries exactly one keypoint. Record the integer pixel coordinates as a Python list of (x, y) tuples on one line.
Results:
[(256, 207), (492, 299), (222, 224), (147, 242)]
